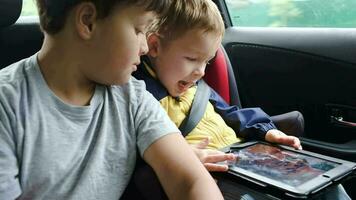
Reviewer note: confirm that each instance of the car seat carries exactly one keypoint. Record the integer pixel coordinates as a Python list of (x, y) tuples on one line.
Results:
[(17, 40), (219, 75)]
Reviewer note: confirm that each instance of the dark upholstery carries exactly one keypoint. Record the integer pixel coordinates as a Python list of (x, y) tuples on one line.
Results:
[(220, 76), (10, 11), (17, 40)]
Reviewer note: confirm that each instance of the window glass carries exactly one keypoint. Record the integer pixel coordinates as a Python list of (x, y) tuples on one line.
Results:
[(293, 13), (29, 8)]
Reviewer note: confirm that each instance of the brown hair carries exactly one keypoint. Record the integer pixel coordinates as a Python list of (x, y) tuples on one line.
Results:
[(185, 15), (53, 13)]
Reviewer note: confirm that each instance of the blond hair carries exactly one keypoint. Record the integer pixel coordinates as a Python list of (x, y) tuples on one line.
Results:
[(185, 15)]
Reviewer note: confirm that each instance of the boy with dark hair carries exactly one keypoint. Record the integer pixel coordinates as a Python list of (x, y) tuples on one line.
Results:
[(72, 117)]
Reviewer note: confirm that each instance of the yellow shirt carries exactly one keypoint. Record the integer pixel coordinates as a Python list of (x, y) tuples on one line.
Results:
[(211, 125)]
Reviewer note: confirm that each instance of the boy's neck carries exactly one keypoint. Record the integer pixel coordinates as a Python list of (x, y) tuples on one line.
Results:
[(59, 65)]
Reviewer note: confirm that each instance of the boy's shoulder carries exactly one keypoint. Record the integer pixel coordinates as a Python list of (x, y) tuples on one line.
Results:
[(133, 86), (14, 81), (133, 92), (14, 76), (14, 72)]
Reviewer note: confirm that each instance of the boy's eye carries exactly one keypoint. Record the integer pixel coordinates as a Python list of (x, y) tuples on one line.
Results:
[(191, 59), (138, 31)]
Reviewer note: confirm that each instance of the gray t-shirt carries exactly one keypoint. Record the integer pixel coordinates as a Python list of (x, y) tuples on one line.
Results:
[(52, 150)]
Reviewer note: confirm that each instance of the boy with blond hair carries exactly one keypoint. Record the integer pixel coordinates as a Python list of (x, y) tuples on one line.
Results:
[(180, 46), (71, 116)]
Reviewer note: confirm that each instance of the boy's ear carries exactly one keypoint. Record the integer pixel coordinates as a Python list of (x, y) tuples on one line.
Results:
[(153, 43), (85, 20)]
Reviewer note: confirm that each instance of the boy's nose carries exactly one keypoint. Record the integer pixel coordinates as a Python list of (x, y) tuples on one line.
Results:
[(199, 72), (143, 47)]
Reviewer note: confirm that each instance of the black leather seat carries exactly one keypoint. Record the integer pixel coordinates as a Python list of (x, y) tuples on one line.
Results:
[(17, 40), (219, 75)]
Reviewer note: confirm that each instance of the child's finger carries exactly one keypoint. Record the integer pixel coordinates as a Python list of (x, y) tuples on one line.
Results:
[(219, 158), (276, 136), (290, 141), (297, 144), (216, 167)]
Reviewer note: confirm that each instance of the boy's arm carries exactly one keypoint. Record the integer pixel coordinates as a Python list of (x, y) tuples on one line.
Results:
[(161, 145), (179, 170), (9, 171), (249, 123)]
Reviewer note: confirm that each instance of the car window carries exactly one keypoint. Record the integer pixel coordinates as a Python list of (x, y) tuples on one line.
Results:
[(29, 8), (293, 13)]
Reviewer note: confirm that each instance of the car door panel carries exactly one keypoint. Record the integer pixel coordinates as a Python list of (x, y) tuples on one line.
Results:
[(312, 70)]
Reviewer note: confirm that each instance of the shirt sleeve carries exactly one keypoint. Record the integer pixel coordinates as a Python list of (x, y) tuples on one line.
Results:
[(152, 122), (9, 169), (249, 123)]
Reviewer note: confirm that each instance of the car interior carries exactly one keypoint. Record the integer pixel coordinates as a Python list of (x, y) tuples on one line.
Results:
[(310, 70)]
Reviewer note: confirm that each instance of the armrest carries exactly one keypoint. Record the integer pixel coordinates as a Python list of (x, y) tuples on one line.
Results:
[(346, 151)]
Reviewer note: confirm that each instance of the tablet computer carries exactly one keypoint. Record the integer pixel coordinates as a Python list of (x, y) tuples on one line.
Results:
[(297, 173)]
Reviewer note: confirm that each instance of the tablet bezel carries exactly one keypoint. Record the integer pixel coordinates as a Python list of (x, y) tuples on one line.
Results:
[(310, 187)]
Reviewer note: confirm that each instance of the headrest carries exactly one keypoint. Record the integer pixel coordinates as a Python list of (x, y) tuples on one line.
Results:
[(10, 11), (216, 75)]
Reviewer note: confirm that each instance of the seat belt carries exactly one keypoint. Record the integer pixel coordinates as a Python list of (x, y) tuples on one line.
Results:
[(197, 110)]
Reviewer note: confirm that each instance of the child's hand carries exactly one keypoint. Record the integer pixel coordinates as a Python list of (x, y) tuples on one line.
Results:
[(209, 157), (276, 136)]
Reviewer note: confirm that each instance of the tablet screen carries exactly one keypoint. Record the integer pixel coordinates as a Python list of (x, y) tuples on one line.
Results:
[(281, 165)]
